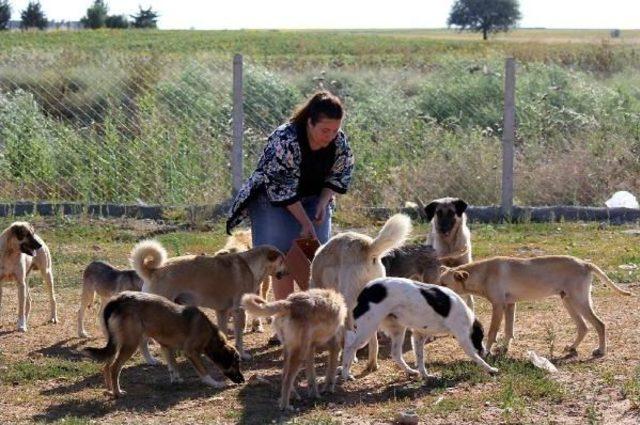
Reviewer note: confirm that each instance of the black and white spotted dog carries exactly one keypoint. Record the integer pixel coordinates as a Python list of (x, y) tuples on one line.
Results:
[(395, 304)]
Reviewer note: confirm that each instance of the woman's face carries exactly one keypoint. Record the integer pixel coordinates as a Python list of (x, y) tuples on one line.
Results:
[(323, 132)]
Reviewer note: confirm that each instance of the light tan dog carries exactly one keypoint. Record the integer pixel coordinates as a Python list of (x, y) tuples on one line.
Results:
[(105, 280), (304, 321), (507, 280), (240, 241), (449, 235), (348, 261), (131, 315), (216, 282), (21, 251)]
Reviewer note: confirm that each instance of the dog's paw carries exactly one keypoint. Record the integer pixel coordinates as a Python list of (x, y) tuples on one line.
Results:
[(54, 320), (570, 350), (493, 370), (22, 328), (372, 367), (412, 372), (208, 380), (83, 334), (176, 379), (245, 356), (598, 352)]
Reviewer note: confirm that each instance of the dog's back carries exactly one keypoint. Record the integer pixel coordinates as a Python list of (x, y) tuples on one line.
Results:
[(315, 314), (107, 280), (349, 260), (416, 261)]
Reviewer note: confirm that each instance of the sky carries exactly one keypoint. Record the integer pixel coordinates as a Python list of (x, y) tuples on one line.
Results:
[(297, 14)]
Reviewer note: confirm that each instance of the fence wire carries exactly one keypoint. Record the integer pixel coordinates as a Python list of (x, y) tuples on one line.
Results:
[(156, 129)]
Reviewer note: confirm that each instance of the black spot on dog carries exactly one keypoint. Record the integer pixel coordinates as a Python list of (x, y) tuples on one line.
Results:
[(374, 294), (438, 300), (563, 294), (477, 335)]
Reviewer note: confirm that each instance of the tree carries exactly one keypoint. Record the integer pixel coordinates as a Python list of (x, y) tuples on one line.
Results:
[(145, 18), (33, 16), (96, 15), (484, 15), (117, 21), (5, 14)]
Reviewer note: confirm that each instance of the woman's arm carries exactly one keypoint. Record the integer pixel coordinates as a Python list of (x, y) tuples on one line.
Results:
[(297, 210)]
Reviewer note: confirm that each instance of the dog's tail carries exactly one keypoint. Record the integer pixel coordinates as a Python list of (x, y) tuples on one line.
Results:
[(604, 278), (103, 354), (257, 306), (147, 256), (392, 235)]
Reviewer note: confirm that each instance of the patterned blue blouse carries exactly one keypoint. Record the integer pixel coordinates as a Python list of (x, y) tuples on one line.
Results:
[(278, 172)]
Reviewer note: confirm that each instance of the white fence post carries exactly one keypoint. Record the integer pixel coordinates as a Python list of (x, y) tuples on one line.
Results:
[(508, 137), (238, 126)]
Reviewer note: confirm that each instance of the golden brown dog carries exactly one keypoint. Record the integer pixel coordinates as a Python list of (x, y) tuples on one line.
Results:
[(131, 315), (216, 282), (304, 321), (240, 241), (21, 251), (348, 261), (507, 280)]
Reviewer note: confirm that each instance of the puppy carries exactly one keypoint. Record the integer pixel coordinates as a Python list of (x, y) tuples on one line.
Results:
[(507, 280), (21, 251), (131, 315), (216, 282), (349, 260), (240, 241), (396, 304), (449, 233), (107, 281), (304, 321)]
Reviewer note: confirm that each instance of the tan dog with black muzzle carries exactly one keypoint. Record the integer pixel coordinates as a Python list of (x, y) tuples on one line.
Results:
[(506, 280), (450, 236), (21, 251)]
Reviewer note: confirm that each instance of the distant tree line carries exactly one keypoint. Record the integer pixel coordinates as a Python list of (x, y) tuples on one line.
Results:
[(97, 16)]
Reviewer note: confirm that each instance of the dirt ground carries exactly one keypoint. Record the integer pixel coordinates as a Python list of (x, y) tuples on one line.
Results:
[(43, 378)]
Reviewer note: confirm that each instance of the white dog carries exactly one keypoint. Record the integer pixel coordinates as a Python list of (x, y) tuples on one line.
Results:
[(395, 304)]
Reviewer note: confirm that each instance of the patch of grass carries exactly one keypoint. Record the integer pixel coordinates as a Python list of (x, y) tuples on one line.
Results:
[(592, 415), (519, 379), (47, 368), (631, 388)]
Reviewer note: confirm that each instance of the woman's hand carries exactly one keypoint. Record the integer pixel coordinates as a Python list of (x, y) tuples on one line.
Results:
[(307, 230), (321, 208)]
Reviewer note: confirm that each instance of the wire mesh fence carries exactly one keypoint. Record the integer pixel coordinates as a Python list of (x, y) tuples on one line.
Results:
[(157, 129)]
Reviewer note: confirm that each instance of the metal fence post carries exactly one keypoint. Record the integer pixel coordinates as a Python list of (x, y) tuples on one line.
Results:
[(508, 137), (238, 126)]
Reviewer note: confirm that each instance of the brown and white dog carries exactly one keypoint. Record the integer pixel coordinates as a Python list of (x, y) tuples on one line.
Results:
[(506, 280), (131, 315), (450, 236), (304, 321), (349, 260), (217, 282), (21, 251), (105, 280)]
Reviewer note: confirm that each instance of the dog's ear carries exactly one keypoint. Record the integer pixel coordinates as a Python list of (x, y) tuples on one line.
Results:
[(272, 255), (19, 231), (461, 207), (461, 275), (430, 210)]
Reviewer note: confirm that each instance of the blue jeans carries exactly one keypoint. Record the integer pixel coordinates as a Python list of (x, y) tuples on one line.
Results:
[(271, 225)]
